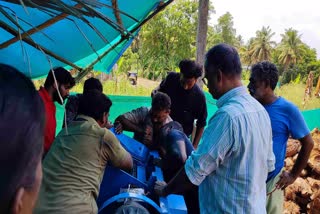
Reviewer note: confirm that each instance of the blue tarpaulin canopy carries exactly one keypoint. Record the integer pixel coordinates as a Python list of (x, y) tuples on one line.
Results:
[(37, 35)]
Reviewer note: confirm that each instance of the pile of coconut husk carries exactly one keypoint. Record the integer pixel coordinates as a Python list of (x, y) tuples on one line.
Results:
[(303, 196)]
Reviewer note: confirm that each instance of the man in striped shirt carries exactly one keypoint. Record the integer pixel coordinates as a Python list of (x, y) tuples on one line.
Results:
[(235, 155)]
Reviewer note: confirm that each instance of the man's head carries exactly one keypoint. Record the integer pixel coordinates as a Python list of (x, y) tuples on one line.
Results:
[(64, 80), (96, 105), (160, 108), (263, 80), (222, 69), (190, 71), (92, 84), (22, 121)]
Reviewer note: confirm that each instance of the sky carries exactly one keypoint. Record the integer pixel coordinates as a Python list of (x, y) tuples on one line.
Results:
[(251, 15)]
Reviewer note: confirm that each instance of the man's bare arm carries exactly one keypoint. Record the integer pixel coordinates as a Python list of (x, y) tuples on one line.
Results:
[(288, 178), (177, 185), (127, 125), (197, 137)]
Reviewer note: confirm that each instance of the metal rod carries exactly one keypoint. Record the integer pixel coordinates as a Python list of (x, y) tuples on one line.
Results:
[(37, 46), (36, 29)]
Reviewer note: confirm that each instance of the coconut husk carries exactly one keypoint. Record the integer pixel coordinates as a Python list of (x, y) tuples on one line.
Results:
[(288, 163), (301, 187), (314, 183), (314, 205), (314, 159), (315, 131), (289, 207), (293, 147)]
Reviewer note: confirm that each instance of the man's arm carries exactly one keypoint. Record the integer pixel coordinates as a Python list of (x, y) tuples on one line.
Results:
[(288, 178), (127, 125), (177, 185), (115, 153), (201, 121), (197, 137), (126, 163)]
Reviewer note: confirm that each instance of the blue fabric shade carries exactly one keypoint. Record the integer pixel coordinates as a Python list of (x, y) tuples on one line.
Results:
[(70, 41)]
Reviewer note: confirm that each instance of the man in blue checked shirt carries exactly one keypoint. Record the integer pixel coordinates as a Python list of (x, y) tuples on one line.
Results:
[(232, 162)]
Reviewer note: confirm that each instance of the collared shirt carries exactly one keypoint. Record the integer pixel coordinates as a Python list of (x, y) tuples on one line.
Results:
[(73, 168), (232, 161), (50, 127), (141, 117)]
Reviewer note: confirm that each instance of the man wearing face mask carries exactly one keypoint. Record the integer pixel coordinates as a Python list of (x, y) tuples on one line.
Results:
[(50, 94), (188, 100)]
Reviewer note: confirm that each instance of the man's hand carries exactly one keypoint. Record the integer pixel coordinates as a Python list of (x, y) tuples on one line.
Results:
[(109, 125), (286, 178), (148, 130), (147, 139), (160, 188), (118, 127)]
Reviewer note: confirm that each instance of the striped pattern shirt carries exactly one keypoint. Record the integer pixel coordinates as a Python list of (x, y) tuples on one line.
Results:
[(234, 157)]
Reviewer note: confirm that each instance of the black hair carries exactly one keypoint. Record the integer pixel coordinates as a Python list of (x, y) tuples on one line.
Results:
[(225, 58), (62, 76), (161, 101), (22, 119), (190, 69), (267, 72), (92, 84), (94, 104)]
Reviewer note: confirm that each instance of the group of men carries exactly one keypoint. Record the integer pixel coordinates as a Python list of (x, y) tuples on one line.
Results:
[(236, 167)]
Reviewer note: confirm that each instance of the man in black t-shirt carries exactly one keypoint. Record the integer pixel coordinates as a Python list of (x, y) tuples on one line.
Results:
[(188, 100)]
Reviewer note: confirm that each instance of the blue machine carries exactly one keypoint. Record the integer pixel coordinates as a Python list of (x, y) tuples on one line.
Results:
[(120, 190)]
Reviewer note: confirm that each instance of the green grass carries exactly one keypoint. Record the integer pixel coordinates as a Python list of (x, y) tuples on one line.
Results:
[(119, 86), (295, 93)]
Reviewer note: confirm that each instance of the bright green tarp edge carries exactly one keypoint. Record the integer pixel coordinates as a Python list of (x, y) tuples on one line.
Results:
[(122, 104)]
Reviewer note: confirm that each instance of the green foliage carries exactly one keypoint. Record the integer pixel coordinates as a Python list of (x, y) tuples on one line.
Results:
[(261, 46), (226, 30), (297, 79), (168, 38), (171, 36), (291, 47)]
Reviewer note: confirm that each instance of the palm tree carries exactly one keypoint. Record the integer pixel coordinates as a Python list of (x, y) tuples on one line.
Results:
[(262, 45), (291, 48), (245, 53)]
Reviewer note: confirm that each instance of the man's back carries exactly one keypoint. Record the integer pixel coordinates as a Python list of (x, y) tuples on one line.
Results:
[(234, 155), (73, 168)]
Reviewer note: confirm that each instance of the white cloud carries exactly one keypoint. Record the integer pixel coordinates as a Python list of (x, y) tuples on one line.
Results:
[(250, 15)]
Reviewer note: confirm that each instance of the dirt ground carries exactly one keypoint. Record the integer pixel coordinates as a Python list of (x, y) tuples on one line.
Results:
[(147, 83)]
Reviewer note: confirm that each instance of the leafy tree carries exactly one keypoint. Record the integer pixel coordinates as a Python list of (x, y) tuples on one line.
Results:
[(291, 48), (245, 54), (168, 38), (261, 46), (225, 30)]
